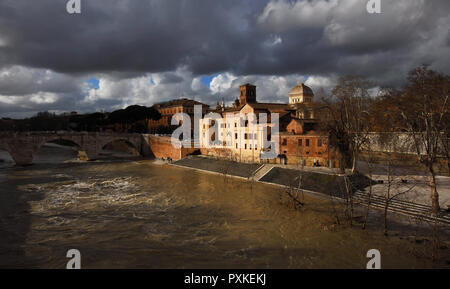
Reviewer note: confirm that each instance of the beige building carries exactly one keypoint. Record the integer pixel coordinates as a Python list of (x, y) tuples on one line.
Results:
[(241, 133)]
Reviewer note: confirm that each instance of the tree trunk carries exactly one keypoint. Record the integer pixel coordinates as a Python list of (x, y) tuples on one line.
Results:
[(342, 165), (387, 199), (434, 192), (369, 199), (386, 206), (354, 163), (349, 199)]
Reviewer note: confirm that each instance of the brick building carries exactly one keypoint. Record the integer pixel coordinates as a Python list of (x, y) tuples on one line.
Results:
[(169, 108), (230, 134)]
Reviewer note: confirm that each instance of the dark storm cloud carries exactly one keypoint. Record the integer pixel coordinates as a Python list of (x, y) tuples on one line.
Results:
[(171, 78), (124, 35), (47, 55), (208, 36)]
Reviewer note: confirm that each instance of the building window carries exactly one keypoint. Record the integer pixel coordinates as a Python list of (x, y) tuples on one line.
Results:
[(307, 142), (236, 145), (256, 146), (235, 136), (245, 136), (300, 142), (284, 142), (319, 142), (250, 136), (250, 146), (245, 146)]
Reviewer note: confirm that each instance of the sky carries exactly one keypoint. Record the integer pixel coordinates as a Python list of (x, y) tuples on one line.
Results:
[(122, 52)]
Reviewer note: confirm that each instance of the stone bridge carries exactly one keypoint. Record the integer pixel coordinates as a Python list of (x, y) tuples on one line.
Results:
[(22, 146)]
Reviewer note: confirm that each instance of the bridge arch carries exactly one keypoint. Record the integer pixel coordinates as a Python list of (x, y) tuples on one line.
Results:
[(63, 141), (58, 140), (135, 148), (5, 155)]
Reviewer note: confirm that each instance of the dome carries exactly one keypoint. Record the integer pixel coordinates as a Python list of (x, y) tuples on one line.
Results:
[(301, 94), (301, 89)]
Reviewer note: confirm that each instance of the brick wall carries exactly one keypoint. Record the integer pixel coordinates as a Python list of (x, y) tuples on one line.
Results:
[(162, 148), (311, 148)]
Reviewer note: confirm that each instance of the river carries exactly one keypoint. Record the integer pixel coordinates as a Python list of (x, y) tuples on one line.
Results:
[(142, 214)]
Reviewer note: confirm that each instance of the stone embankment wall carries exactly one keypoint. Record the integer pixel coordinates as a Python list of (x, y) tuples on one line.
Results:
[(162, 148)]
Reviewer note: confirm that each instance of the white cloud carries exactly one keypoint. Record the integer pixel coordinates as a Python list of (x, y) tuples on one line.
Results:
[(121, 89), (28, 101), (25, 89), (21, 80), (197, 84), (140, 90), (268, 88), (320, 82), (7, 99), (44, 97), (222, 82), (282, 15)]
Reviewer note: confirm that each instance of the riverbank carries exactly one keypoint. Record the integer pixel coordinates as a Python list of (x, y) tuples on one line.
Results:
[(325, 183), (219, 166), (322, 182)]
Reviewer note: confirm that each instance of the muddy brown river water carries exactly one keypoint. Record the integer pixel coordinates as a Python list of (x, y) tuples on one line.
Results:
[(140, 214)]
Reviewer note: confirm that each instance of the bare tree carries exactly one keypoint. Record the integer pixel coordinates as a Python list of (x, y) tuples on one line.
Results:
[(226, 156), (349, 199), (348, 117), (424, 109), (295, 193), (335, 210), (395, 186), (370, 167), (393, 190)]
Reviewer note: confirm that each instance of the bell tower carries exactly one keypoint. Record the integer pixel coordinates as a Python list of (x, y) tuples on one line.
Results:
[(247, 93)]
